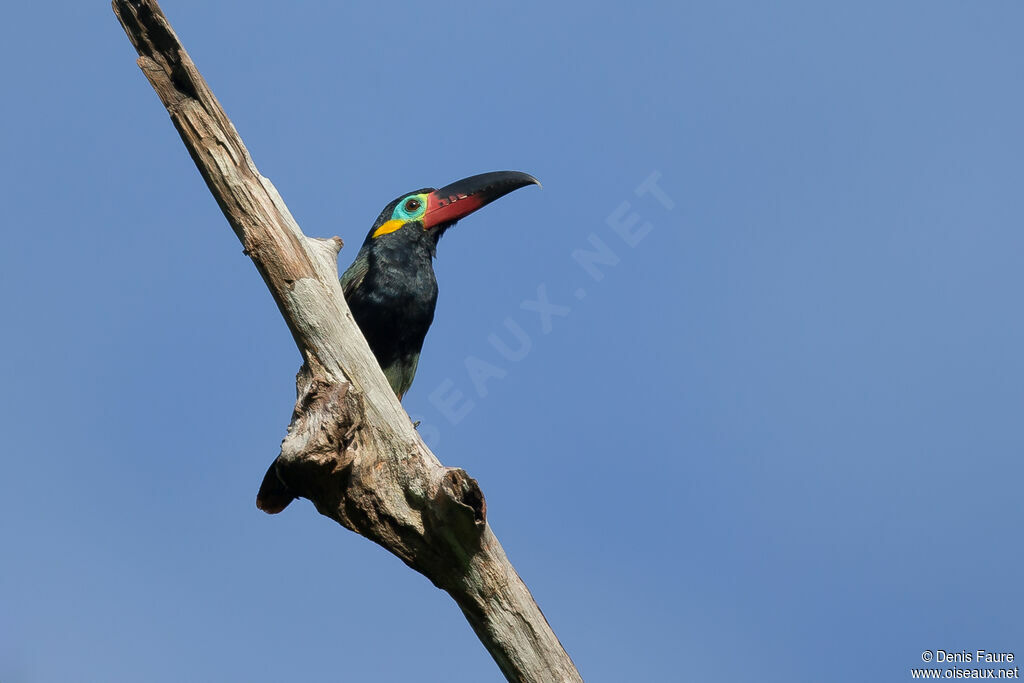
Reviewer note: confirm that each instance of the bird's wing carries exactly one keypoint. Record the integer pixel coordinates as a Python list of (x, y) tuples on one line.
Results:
[(353, 277)]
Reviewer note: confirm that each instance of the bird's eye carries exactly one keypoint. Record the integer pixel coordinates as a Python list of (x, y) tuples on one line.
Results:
[(412, 205)]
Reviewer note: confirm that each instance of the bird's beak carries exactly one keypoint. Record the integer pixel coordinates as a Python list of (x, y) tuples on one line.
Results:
[(465, 196)]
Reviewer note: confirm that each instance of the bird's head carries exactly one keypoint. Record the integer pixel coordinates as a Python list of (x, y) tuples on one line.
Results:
[(423, 216)]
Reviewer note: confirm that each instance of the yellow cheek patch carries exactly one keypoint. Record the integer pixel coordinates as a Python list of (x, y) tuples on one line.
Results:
[(390, 226)]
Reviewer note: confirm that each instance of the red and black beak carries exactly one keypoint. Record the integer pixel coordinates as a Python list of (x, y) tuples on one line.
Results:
[(463, 197)]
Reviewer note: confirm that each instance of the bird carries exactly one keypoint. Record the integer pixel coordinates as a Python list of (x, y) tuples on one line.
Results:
[(391, 288)]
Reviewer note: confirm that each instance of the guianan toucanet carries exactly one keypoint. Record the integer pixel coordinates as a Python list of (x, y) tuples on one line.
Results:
[(390, 286)]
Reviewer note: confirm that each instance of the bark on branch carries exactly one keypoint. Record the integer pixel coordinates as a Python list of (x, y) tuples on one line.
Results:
[(350, 448)]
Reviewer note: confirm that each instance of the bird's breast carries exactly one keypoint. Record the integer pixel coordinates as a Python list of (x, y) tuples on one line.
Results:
[(394, 307)]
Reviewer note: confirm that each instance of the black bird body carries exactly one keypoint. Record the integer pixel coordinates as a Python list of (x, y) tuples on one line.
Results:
[(392, 292), (391, 288)]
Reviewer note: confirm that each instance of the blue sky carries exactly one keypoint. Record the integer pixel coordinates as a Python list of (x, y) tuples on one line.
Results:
[(779, 439)]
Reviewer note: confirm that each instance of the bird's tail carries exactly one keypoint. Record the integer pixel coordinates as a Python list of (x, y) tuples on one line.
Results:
[(274, 494)]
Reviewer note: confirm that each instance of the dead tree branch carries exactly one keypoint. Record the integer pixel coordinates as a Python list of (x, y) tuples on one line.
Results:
[(350, 448)]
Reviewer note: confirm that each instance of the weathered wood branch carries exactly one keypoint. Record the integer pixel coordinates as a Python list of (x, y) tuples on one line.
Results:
[(350, 448)]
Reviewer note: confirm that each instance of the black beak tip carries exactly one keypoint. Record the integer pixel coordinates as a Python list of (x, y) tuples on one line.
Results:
[(515, 179)]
